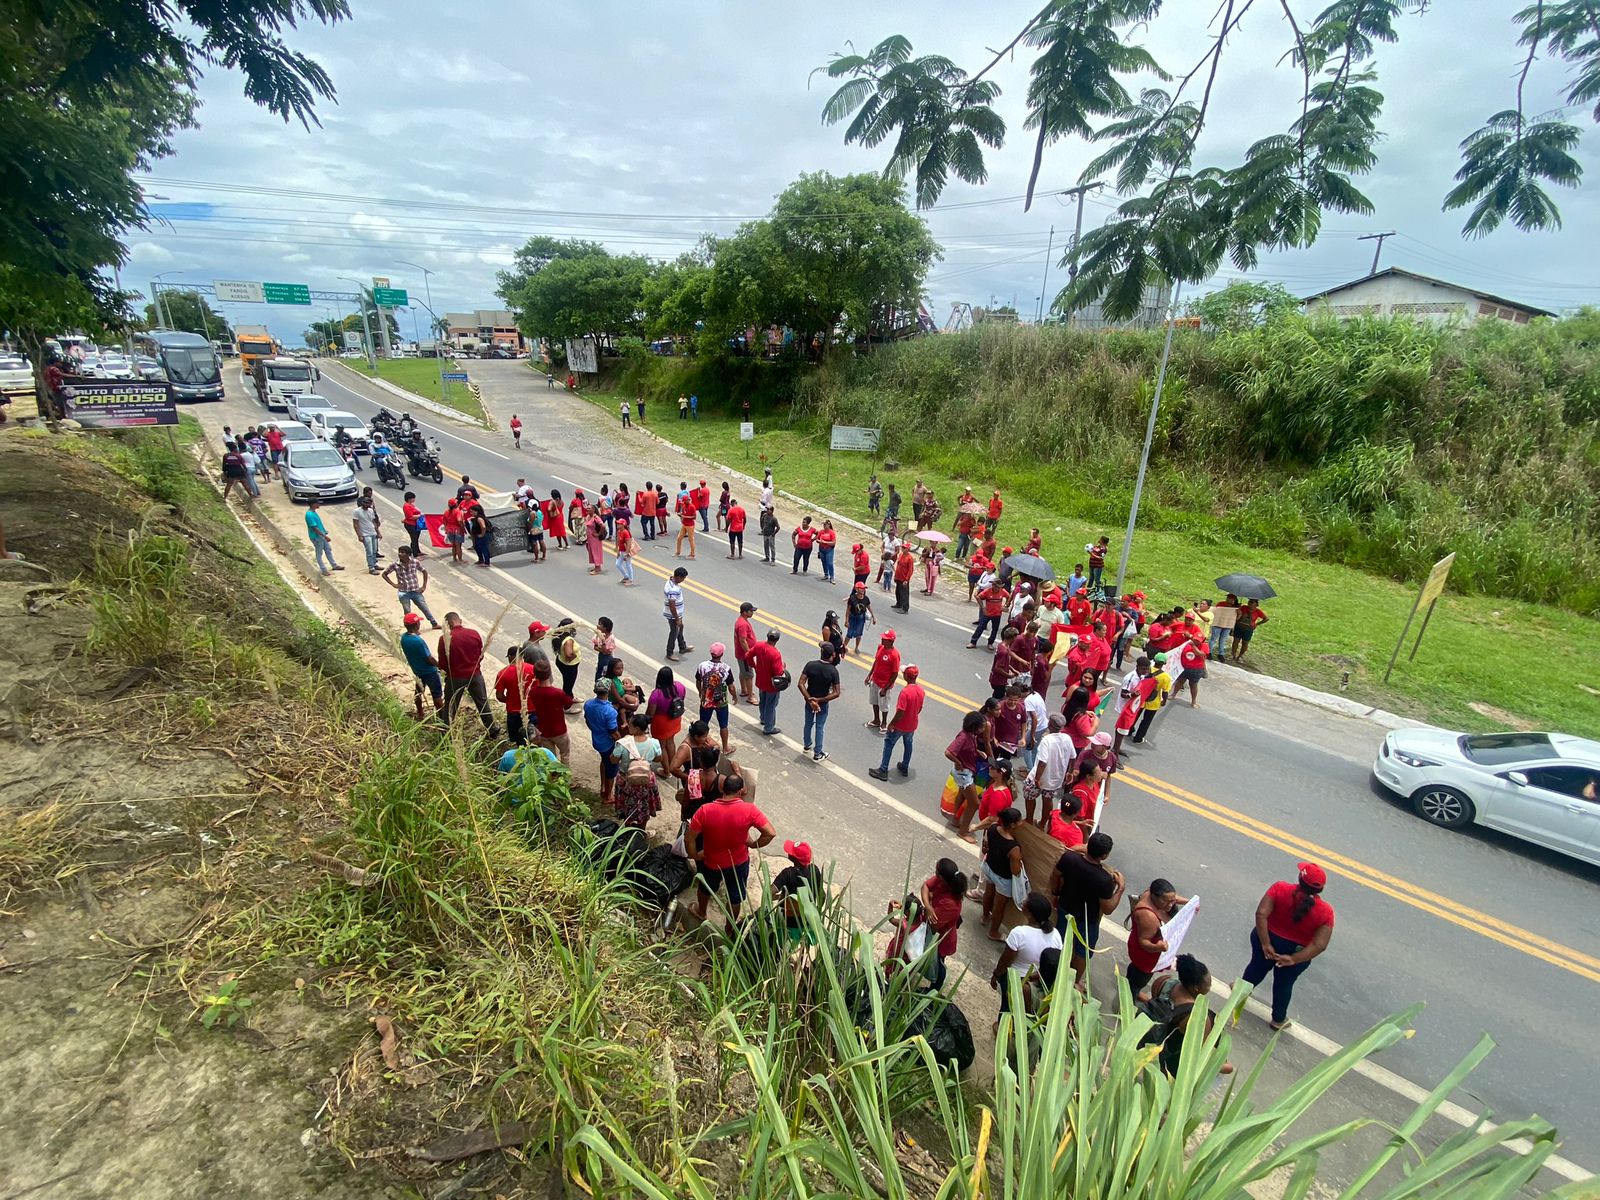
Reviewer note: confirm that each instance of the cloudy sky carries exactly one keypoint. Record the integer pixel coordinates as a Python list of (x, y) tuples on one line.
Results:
[(459, 131)]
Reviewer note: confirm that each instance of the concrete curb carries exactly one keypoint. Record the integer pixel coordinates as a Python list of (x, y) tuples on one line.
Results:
[(415, 401), (1342, 705)]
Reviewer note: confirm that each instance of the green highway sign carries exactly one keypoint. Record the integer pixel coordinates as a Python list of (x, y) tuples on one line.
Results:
[(286, 293), (389, 297)]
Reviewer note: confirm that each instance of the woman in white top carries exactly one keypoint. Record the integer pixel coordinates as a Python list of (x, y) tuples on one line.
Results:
[(1025, 944)]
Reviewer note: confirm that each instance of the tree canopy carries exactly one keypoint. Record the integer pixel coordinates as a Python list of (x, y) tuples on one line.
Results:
[(573, 288), (1181, 216), (190, 312)]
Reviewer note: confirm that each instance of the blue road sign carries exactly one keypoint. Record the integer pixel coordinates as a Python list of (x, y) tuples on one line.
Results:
[(455, 376)]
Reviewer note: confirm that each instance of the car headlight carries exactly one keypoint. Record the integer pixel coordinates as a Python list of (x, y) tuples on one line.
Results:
[(1412, 760)]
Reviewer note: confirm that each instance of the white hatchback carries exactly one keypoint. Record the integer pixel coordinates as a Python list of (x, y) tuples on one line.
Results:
[(1541, 787)]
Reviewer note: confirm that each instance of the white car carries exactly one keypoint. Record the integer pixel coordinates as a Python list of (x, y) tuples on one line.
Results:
[(303, 404), (296, 434), (1541, 787), (16, 376), (114, 366), (315, 470), (325, 424), (89, 367)]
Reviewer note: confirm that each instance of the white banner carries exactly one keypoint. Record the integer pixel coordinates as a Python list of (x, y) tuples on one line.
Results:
[(854, 437), (1174, 931), (581, 356)]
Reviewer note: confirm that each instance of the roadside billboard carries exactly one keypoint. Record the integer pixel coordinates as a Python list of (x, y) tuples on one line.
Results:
[(120, 403)]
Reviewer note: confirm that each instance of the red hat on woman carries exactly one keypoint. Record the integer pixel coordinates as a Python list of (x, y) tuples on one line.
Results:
[(1312, 877)]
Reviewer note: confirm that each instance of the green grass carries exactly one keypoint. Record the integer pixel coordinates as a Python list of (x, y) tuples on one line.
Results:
[(421, 375), (1529, 660)]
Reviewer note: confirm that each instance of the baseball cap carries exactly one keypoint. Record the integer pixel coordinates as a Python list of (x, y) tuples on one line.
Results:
[(413, 618), (913, 670), (861, 587), (857, 546), (718, 649), (1160, 658), (888, 635), (1100, 739), (799, 851), (747, 607), (1083, 591), (537, 627), (1313, 877)]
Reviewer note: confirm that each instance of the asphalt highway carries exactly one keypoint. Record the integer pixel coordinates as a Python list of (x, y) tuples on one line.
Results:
[(1494, 935)]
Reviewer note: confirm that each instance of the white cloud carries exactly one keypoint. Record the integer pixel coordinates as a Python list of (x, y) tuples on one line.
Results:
[(148, 254)]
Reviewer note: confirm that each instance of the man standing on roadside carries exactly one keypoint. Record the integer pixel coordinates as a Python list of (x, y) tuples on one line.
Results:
[(769, 665), (880, 678), (905, 566), (672, 595), (714, 681), (548, 704), (461, 652), (1097, 560), (718, 842), (411, 521), (702, 504), (319, 538), (1084, 890), (366, 522), (512, 687), (600, 715), (992, 600), (684, 507), (694, 406), (276, 448), (409, 579), (424, 667), (737, 519), (744, 651), (902, 726), (683, 408), (819, 685)]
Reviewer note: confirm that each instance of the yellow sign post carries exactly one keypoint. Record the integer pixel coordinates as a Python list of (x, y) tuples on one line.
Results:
[(1432, 589)]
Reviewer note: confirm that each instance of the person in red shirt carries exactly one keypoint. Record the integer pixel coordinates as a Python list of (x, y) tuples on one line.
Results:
[(516, 431), (860, 562), (512, 687), (1249, 619), (1192, 660), (1097, 560), (410, 520), (827, 540), (645, 505), (685, 508), (1078, 607), (555, 518), (943, 893), (965, 523), (992, 603), (993, 519), (276, 444), (905, 566), (454, 524), (1099, 649), (718, 842), (461, 656), (702, 505), (768, 661), (1035, 542), (1293, 925), (737, 519), (744, 651), (880, 679), (548, 706), (988, 548), (803, 537), (902, 725)]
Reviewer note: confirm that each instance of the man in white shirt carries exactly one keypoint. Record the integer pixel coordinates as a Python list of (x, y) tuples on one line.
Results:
[(365, 521), (1035, 726), (672, 609), (524, 494), (1050, 769)]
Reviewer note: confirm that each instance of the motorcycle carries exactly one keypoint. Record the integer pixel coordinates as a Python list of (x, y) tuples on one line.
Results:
[(385, 422), (390, 471), (423, 460)]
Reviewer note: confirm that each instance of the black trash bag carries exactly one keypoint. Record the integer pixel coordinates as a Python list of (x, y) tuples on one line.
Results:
[(659, 876), (615, 846), (951, 1038)]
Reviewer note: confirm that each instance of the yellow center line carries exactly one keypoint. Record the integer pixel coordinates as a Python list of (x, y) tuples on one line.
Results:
[(1423, 899)]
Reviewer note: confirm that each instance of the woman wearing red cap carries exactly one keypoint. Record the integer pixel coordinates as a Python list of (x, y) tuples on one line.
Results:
[(1293, 925)]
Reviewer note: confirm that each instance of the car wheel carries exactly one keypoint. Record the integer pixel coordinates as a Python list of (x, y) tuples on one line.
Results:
[(1445, 806)]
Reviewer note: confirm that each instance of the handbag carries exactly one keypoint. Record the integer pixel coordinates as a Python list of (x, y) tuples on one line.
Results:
[(1021, 885)]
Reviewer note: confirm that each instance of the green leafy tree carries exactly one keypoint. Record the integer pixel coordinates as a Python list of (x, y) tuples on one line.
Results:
[(92, 95), (565, 289), (1182, 216), (674, 298), (1242, 304), (188, 311)]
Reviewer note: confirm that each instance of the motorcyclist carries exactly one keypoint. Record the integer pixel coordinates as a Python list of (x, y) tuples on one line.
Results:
[(382, 456), (407, 425), (346, 444)]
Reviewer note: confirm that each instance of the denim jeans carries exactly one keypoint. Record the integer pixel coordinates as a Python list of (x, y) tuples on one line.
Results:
[(826, 555), (993, 624), (889, 740), (407, 599), (371, 545), (324, 553), (768, 707), (802, 559), (647, 528), (625, 566), (963, 544), (1282, 977), (811, 734), (1219, 643), (1094, 577)]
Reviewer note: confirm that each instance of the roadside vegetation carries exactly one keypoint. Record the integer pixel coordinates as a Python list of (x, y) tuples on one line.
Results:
[(421, 376)]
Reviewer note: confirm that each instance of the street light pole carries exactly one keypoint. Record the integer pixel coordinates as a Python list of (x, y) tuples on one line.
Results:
[(361, 303), (1149, 436), (155, 293), (427, 288)]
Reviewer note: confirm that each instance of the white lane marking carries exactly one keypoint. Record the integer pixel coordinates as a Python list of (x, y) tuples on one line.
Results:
[(953, 624), (568, 482), (1326, 1046), (434, 428)]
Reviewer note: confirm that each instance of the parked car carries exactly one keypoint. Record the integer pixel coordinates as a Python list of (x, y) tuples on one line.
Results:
[(89, 367), (115, 366), (16, 376), (1541, 787), (146, 367), (296, 434), (316, 470), (303, 405), (325, 423)]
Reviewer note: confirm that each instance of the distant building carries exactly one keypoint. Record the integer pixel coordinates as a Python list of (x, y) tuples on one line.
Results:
[(1152, 314), (1394, 292), (484, 327)]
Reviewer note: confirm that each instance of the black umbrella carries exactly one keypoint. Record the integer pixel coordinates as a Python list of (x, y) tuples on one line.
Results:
[(1247, 587), (1031, 565)]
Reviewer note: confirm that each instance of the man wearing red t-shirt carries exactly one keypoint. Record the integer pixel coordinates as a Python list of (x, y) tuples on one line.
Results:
[(702, 505), (902, 726), (410, 520), (744, 651), (768, 661), (511, 687), (904, 567), (992, 603), (548, 705), (860, 562), (1293, 925), (1097, 560), (461, 656), (718, 843), (993, 519), (1192, 658), (737, 519), (965, 523), (880, 678), (276, 444)]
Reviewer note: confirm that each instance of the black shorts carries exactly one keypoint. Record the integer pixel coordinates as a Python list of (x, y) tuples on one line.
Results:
[(735, 878), (1243, 633), (1190, 675)]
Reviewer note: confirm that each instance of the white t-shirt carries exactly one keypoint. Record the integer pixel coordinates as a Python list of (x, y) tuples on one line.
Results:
[(1030, 942), (766, 496), (672, 596), (1038, 715), (1055, 755)]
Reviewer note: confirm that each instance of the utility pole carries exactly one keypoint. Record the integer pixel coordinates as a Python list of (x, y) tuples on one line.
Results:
[(1149, 436), (366, 326), (427, 288), (1378, 249), (1080, 192), (1044, 284)]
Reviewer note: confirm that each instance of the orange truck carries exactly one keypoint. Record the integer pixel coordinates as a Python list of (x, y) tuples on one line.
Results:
[(255, 343)]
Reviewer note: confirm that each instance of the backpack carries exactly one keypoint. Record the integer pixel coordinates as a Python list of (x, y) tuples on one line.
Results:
[(638, 769), (675, 705)]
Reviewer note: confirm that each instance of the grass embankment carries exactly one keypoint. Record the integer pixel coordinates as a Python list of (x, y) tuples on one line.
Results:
[(309, 861), (1529, 660), (421, 376)]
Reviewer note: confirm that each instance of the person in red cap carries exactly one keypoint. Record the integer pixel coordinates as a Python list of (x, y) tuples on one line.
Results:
[(902, 725), (422, 663), (860, 563), (857, 612), (1293, 925), (802, 872), (880, 678), (1078, 607)]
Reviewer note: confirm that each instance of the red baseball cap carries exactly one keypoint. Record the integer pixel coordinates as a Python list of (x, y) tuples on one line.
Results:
[(888, 635), (913, 671), (535, 628), (799, 851), (1312, 877), (413, 619)]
